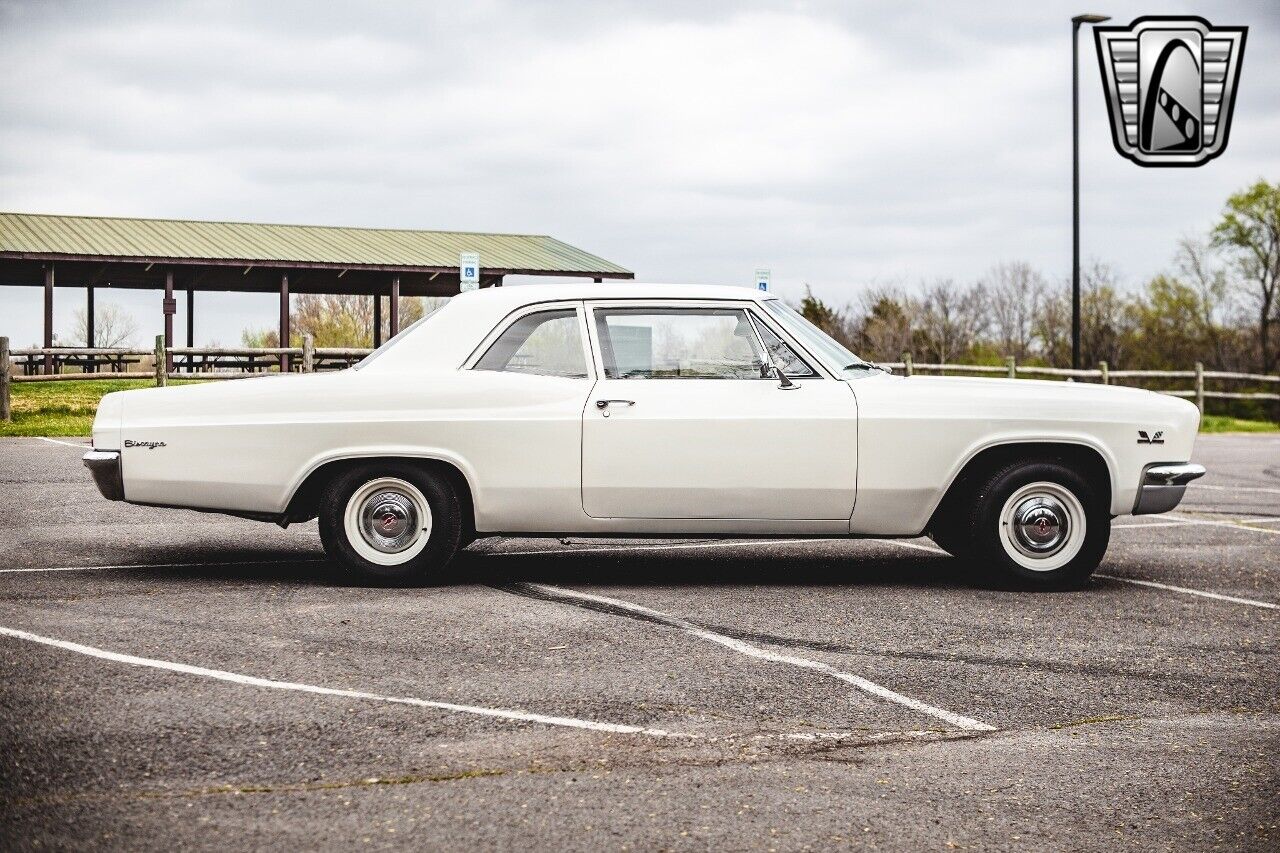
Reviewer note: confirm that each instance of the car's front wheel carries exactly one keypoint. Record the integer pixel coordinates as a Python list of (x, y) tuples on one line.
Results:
[(391, 523), (1038, 524)]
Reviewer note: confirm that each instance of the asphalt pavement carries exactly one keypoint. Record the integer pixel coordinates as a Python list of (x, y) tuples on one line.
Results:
[(177, 680)]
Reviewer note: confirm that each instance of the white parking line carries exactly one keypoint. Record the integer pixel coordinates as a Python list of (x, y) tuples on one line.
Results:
[(254, 681), (65, 443), (1233, 599), (1214, 523), (749, 650), (1188, 591), (902, 543), (1183, 522), (1235, 488)]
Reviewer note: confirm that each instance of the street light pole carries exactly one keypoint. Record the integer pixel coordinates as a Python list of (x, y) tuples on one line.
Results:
[(1075, 180)]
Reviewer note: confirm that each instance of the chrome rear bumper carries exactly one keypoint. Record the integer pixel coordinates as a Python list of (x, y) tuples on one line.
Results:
[(1163, 485), (105, 467)]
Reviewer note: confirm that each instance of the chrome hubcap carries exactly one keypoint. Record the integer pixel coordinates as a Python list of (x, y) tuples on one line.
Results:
[(1040, 525), (389, 521)]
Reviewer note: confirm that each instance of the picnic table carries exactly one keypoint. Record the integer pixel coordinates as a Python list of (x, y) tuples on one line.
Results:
[(208, 362), (336, 362), (33, 363)]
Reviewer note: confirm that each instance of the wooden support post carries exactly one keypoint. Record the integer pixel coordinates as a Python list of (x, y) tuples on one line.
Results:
[(907, 367), (1105, 370), (377, 320), (394, 328), (162, 362), (1200, 386), (284, 320), (48, 316), (90, 330), (1013, 367), (170, 308), (308, 353), (90, 321), (6, 382), (191, 328)]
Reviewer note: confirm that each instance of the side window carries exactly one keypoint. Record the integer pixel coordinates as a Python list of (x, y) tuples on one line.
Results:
[(548, 343), (792, 364), (678, 343)]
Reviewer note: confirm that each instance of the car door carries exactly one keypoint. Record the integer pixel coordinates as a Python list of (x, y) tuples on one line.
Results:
[(683, 423), (521, 419)]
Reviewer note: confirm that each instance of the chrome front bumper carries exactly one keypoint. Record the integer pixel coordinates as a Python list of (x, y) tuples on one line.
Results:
[(104, 465), (1163, 485)]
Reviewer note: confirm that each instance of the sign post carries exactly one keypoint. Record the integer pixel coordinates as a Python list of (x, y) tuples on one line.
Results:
[(469, 270), (762, 279)]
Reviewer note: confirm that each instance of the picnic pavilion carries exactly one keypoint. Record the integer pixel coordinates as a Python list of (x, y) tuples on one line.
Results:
[(92, 252)]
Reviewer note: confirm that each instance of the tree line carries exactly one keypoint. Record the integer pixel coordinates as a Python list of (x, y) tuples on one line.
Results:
[(1217, 305)]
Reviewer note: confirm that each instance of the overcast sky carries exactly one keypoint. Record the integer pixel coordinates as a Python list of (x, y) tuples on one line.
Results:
[(838, 144)]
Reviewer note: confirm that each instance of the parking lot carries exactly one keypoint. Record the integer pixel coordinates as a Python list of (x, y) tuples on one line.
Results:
[(174, 679)]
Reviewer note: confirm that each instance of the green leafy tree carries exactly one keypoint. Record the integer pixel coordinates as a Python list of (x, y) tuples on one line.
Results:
[(819, 313), (885, 331), (1250, 231), (1169, 326)]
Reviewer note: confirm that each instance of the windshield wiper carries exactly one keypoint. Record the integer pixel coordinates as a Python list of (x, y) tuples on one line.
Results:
[(864, 365)]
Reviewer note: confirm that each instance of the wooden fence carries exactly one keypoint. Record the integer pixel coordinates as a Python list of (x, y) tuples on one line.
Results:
[(204, 363), (1104, 375)]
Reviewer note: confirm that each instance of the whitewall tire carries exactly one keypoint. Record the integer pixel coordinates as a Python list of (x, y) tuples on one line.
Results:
[(1039, 524), (390, 522)]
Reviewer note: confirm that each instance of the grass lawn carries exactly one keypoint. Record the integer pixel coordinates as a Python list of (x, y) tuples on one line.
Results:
[(62, 408), (1223, 423), (67, 408)]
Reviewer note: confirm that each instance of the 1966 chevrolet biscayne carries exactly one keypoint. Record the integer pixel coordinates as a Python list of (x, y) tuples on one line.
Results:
[(650, 410)]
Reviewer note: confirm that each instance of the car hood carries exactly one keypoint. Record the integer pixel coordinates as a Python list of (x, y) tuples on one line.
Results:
[(1026, 388)]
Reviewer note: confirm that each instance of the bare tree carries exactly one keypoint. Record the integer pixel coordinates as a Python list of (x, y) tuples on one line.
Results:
[(1195, 265), (1014, 293), (339, 320), (112, 326), (885, 328), (950, 320), (1106, 318)]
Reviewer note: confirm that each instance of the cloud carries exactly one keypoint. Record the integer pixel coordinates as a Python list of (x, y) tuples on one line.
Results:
[(836, 143)]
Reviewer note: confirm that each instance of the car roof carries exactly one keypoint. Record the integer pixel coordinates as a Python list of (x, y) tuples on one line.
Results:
[(514, 296), (445, 338)]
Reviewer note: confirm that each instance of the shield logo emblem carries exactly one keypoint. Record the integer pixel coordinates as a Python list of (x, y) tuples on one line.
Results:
[(1171, 85)]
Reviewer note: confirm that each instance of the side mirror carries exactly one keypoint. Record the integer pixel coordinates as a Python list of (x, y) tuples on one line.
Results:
[(784, 383)]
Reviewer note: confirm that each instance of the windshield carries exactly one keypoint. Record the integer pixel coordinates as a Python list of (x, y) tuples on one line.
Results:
[(814, 339)]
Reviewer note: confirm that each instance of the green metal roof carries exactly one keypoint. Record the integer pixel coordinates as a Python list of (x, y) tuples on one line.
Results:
[(42, 235)]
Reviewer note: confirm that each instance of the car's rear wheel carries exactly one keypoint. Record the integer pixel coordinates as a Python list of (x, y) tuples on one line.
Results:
[(393, 523), (1038, 525)]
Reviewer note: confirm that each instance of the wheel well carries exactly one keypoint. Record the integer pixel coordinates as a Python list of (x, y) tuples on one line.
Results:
[(1081, 458), (305, 502)]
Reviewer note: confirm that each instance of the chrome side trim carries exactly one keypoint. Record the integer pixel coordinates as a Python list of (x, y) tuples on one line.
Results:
[(104, 465), (1163, 485)]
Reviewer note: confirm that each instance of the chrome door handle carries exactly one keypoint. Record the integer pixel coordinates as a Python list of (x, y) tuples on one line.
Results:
[(603, 405)]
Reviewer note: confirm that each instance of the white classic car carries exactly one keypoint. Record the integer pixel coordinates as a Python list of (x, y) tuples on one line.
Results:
[(650, 410)]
